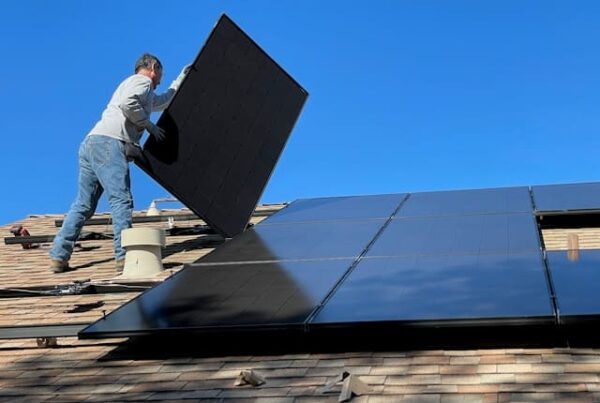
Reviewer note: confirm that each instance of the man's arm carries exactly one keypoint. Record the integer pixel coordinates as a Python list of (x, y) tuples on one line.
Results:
[(163, 100), (133, 109)]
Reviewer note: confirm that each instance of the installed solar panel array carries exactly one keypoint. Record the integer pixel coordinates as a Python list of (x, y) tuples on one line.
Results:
[(459, 258)]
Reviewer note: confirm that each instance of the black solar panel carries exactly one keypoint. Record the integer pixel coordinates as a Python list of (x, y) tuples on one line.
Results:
[(576, 280), (473, 234), (226, 128), (312, 240), (226, 296), (434, 288), (461, 202), (338, 208), (571, 197)]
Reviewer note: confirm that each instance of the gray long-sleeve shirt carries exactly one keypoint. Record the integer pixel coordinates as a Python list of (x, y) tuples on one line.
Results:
[(129, 109)]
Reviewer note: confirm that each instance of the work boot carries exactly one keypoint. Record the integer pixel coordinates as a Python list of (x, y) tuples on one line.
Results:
[(59, 266), (119, 265)]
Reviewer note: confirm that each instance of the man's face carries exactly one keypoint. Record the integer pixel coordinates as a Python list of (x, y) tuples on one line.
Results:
[(156, 75)]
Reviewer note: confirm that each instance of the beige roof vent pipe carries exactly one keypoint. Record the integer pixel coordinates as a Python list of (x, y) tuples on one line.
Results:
[(155, 211), (143, 257)]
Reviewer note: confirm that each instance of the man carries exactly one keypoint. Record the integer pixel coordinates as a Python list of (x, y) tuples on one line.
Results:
[(103, 162)]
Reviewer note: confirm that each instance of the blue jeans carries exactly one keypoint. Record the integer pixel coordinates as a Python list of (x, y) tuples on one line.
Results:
[(102, 167)]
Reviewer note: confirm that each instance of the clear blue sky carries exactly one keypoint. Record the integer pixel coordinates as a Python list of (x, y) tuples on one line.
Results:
[(404, 95)]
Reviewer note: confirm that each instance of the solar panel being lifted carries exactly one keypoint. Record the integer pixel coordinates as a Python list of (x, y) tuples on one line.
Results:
[(226, 128)]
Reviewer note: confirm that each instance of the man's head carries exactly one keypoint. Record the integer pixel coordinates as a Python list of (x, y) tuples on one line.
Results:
[(151, 67)]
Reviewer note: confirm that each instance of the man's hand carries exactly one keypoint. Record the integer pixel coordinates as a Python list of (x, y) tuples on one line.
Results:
[(156, 132), (177, 82), (133, 152)]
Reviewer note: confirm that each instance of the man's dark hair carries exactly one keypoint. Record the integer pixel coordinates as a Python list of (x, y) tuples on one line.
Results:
[(147, 61)]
